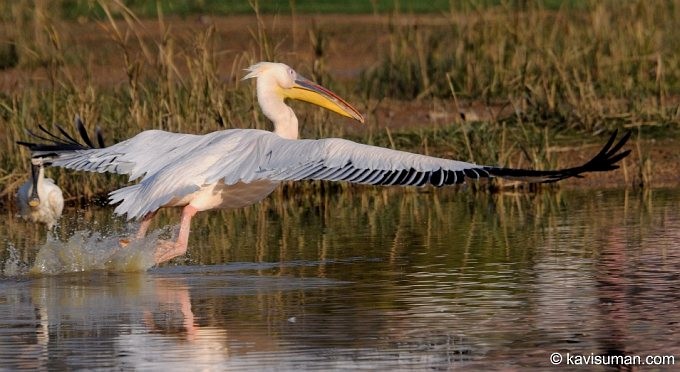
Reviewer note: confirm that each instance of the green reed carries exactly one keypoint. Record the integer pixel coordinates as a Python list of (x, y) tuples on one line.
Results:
[(585, 69), (600, 65)]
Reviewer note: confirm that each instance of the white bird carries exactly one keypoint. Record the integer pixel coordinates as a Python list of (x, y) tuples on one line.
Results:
[(239, 167), (39, 199)]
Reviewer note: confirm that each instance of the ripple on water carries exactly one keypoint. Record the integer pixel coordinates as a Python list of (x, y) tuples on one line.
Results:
[(395, 287)]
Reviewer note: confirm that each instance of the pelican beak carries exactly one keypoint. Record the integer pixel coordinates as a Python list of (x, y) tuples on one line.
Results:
[(308, 91)]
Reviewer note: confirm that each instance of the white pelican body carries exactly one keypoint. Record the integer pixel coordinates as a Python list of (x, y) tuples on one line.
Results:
[(238, 167), (39, 199), (221, 196), (196, 161)]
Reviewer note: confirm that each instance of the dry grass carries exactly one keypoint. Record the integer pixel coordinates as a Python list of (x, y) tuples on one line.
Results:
[(542, 72), (608, 65)]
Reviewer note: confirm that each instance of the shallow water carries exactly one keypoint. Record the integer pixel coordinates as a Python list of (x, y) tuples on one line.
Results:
[(367, 278)]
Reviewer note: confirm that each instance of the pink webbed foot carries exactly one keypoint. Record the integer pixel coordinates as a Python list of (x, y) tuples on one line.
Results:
[(167, 250)]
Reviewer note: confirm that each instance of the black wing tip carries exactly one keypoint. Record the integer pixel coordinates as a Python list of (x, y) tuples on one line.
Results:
[(100, 138), (52, 142), (609, 155), (80, 126), (605, 160)]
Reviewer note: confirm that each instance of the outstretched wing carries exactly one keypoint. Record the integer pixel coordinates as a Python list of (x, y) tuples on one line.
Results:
[(334, 159), (145, 153), (174, 165)]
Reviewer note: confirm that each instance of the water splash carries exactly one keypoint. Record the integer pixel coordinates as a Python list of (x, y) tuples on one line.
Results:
[(90, 251), (14, 266)]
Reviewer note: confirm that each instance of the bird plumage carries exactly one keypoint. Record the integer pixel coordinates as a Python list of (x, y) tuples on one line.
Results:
[(237, 167), (40, 200), (174, 165)]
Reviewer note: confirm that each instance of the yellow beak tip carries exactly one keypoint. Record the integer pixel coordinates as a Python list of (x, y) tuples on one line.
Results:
[(34, 203), (305, 90)]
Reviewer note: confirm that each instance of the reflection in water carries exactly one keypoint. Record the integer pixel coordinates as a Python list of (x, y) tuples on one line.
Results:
[(375, 279)]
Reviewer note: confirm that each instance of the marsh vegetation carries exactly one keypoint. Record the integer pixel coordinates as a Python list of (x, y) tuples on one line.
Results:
[(514, 83), (322, 275)]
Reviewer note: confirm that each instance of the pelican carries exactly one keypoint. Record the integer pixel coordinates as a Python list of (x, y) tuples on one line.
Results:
[(39, 199), (238, 167)]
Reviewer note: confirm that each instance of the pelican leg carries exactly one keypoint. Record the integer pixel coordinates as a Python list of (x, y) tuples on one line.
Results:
[(144, 226), (141, 233), (167, 250)]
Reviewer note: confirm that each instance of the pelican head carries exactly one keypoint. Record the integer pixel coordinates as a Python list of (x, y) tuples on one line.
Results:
[(277, 81)]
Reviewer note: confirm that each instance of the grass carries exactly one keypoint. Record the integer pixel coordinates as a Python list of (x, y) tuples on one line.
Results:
[(574, 68), (74, 9), (578, 68)]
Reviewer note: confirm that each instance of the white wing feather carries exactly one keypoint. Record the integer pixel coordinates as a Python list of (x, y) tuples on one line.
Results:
[(174, 165), (334, 159)]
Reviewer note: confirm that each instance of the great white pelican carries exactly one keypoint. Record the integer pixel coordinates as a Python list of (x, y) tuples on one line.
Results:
[(239, 167)]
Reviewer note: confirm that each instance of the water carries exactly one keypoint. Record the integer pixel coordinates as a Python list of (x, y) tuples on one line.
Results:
[(365, 278)]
